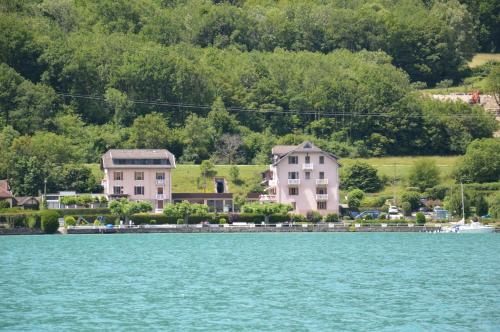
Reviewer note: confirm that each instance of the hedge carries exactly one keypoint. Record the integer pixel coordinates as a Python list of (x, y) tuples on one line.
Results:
[(78, 212), (213, 218), (50, 221)]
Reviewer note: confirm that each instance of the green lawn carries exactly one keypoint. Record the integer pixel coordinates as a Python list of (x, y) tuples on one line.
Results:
[(184, 177)]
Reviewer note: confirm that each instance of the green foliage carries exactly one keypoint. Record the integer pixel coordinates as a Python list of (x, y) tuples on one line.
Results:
[(298, 218), (406, 207), (331, 217), (424, 174), (481, 162), (69, 221), (494, 205), (4, 205), (362, 176), (33, 222), (411, 197), (313, 216), (234, 175), (420, 218), (266, 209), (481, 205), (125, 208), (185, 210), (453, 203), (222, 221), (180, 221), (354, 198), (49, 221)]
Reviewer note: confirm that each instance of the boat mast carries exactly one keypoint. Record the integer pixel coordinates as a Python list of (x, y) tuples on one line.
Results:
[(463, 209)]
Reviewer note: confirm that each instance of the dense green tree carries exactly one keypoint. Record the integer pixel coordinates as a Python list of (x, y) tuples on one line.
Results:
[(354, 198), (492, 82), (453, 202), (149, 132), (125, 208), (424, 174), (184, 210), (413, 198), (481, 162), (266, 209), (494, 205), (362, 176)]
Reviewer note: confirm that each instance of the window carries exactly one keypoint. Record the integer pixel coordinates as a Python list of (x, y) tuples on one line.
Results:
[(321, 205), (293, 159), (139, 176), (308, 159), (321, 159), (321, 175), (117, 190), (321, 191), (293, 175), (118, 176), (138, 190), (159, 190), (308, 175), (160, 176), (293, 191), (159, 204)]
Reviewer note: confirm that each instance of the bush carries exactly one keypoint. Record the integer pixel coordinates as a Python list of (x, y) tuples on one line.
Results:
[(4, 205), (354, 198), (313, 216), (50, 222), (97, 223), (180, 221), (78, 212), (297, 218), (424, 174), (222, 221), (278, 218), (69, 221), (413, 198), (420, 218), (331, 217), (406, 206), (33, 222)]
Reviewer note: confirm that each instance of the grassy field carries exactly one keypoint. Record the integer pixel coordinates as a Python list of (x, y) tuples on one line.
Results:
[(482, 58), (185, 177)]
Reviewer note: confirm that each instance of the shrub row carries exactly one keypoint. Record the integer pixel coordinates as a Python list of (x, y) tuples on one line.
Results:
[(81, 212)]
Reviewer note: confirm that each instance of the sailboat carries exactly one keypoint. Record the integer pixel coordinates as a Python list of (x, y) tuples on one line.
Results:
[(474, 226)]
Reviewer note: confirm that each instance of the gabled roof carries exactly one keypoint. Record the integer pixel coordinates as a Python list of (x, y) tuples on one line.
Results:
[(107, 158), (282, 149), (5, 189), (303, 147), (22, 200)]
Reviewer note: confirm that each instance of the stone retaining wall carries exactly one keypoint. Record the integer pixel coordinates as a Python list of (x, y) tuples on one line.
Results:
[(295, 229)]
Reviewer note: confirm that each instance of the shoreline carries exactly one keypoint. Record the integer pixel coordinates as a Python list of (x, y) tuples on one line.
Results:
[(172, 229)]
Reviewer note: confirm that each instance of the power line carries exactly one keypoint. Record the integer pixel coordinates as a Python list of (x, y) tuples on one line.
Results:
[(275, 111)]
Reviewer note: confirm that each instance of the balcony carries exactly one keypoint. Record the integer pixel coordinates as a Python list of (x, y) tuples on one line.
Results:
[(273, 183), (321, 197), (160, 196), (267, 198), (160, 181), (293, 182), (321, 182), (308, 167)]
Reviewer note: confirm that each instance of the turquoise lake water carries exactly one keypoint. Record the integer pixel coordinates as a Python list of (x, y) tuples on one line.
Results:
[(251, 282)]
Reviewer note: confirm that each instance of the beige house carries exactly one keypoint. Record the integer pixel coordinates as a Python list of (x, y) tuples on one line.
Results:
[(139, 175), (305, 177)]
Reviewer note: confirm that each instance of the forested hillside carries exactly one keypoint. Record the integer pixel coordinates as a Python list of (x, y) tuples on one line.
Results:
[(229, 79)]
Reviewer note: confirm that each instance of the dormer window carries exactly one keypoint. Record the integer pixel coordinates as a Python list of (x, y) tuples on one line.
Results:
[(307, 145)]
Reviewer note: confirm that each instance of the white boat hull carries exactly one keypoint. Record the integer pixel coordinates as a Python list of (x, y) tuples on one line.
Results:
[(482, 229)]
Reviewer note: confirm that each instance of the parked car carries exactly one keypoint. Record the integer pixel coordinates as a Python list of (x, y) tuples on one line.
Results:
[(374, 214)]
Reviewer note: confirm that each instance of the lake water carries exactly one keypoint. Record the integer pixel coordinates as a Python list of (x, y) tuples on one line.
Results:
[(251, 282)]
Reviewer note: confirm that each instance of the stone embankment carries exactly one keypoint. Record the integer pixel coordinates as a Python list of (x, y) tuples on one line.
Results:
[(246, 229)]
